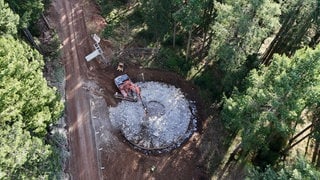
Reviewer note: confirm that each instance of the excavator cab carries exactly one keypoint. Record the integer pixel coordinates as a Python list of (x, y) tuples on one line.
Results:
[(129, 90)]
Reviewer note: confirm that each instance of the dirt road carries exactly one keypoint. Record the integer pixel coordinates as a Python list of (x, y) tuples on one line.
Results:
[(72, 31), (98, 151)]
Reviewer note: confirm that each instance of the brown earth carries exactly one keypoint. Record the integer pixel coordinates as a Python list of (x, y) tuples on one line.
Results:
[(124, 162), (97, 150)]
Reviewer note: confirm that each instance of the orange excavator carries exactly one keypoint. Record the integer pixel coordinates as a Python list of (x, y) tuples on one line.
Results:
[(129, 90)]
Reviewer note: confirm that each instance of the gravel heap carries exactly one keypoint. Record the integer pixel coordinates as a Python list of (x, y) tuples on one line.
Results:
[(168, 120)]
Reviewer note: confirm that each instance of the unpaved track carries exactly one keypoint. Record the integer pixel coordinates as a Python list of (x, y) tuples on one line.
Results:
[(72, 31), (109, 156)]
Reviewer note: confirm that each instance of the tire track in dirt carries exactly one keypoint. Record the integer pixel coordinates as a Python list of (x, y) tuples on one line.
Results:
[(72, 32)]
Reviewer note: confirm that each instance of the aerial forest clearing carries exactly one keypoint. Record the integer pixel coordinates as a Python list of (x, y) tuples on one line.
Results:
[(138, 89)]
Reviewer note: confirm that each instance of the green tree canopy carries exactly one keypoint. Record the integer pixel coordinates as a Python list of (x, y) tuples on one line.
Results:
[(24, 91), (27, 107), (239, 30), (8, 20), (189, 13), (157, 17), (274, 100), (29, 11), (300, 169), (300, 22)]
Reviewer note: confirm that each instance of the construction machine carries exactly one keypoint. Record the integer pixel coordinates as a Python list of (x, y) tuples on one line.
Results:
[(129, 90)]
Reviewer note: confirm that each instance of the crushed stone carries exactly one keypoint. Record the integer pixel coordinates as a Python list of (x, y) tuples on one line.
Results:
[(169, 118)]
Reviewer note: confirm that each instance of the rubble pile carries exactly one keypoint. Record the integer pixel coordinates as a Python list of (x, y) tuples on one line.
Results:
[(168, 120)]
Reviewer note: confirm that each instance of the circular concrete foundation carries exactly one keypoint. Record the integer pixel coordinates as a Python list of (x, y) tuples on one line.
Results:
[(168, 120)]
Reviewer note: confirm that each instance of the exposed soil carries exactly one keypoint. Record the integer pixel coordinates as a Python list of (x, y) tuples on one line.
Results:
[(120, 160), (98, 151)]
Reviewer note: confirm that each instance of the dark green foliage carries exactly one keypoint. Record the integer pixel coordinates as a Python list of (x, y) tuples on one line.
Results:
[(51, 48), (157, 17), (300, 169), (267, 104), (114, 20), (107, 32), (188, 14), (146, 35), (29, 11), (239, 31), (47, 3), (107, 6), (179, 41), (136, 18), (171, 60), (211, 87), (266, 113), (300, 27), (119, 18)]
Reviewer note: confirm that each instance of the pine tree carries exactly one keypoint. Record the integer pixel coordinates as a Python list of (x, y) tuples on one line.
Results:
[(300, 22), (239, 30), (27, 107), (29, 11), (299, 169), (8, 20), (267, 112), (188, 16)]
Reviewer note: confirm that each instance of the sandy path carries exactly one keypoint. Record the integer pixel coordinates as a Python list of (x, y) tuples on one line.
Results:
[(72, 31)]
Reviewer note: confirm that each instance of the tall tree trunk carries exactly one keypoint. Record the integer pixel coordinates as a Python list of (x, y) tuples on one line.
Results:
[(279, 40), (207, 19), (318, 162), (300, 133), (299, 36), (30, 39), (315, 154), (307, 147), (188, 44), (316, 38), (174, 34), (294, 144), (290, 145)]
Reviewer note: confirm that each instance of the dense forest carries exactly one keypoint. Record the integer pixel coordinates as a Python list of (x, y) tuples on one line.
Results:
[(258, 61), (28, 106)]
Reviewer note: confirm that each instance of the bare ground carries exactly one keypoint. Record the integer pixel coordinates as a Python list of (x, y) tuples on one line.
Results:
[(98, 151)]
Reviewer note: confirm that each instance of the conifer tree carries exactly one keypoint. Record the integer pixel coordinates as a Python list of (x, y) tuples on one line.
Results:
[(27, 108), (8, 20), (239, 30), (267, 112)]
